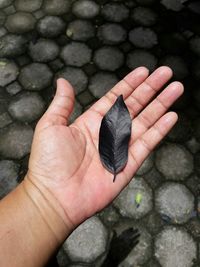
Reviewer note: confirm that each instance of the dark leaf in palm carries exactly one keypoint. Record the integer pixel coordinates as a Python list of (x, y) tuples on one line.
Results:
[(114, 136)]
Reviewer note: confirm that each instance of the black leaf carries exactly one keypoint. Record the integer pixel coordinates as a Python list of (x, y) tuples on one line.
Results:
[(114, 136)]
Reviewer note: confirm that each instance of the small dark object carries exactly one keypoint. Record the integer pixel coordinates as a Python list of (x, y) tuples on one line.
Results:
[(121, 246), (193, 5), (114, 136), (166, 218)]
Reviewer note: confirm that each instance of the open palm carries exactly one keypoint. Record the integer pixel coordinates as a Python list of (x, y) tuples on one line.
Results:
[(65, 159)]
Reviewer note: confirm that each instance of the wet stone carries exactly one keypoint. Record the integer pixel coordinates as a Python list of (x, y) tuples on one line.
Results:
[(175, 247), (111, 33), (144, 16), (44, 50), (101, 83), (62, 258), (56, 7), (143, 37), (15, 141), (8, 72), (85, 9), (20, 22), (50, 26), (87, 242), (5, 119), (5, 3), (76, 54), (28, 5), (80, 30), (75, 76), (35, 76), (139, 58), (174, 162), (195, 45), (108, 58), (115, 12), (76, 112), (146, 165), (126, 201), (12, 45), (2, 18), (26, 107), (175, 201), (175, 5), (8, 176)]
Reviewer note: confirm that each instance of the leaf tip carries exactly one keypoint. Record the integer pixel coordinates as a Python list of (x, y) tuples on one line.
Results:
[(114, 178)]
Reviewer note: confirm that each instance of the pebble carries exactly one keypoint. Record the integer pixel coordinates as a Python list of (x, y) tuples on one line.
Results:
[(154, 178), (85, 9), (175, 5), (115, 12), (108, 58), (50, 26), (15, 141), (143, 37), (20, 22), (5, 3), (8, 72), (146, 165), (144, 16), (44, 50), (28, 5), (5, 119), (12, 45), (13, 88), (35, 76), (9, 10), (111, 33), (56, 7), (195, 45), (80, 30)]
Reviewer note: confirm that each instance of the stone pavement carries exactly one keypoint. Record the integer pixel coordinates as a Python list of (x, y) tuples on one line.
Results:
[(94, 44)]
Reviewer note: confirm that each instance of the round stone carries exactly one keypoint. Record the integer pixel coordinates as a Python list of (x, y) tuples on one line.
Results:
[(126, 201), (146, 165), (8, 176), (20, 22), (8, 72), (5, 3), (5, 119), (111, 33), (76, 77), (15, 141), (139, 58), (87, 242), (13, 88), (174, 162), (12, 45), (144, 16), (76, 112), (50, 26), (101, 83), (175, 247), (195, 45), (80, 30), (85, 9), (143, 37), (115, 12), (35, 76), (56, 7), (108, 58), (44, 50), (177, 64), (26, 107), (28, 5), (76, 54), (175, 5)]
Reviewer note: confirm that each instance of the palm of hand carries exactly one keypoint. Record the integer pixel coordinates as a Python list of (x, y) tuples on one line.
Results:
[(66, 159)]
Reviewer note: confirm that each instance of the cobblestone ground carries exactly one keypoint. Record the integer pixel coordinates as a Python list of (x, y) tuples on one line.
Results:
[(93, 44)]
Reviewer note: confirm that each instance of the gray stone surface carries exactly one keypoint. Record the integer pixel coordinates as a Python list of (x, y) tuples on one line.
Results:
[(12, 45), (76, 54), (109, 216), (197, 163), (50, 26), (174, 162), (154, 178), (20, 22), (138, 58), (15, 141), (85, 9), (44, 50), (5, 119), (192, 145), (5, 3), (115, 12), (126, 201), (9, 10), (143, 37), (175, 247), (87, 242), (146, 165), (13, 88), (8, 176), (101, 83), (28, 5), (175, 201), (175, 5), (112, 33), (56, 7), (144, 16), (2, 18), (75, 76), (108, 58), (35, 76), (195, 45), (76, 112), (80, 30), (8, 72), (26, 107)]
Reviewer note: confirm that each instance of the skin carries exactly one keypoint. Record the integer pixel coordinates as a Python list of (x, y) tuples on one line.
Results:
[(66, 182)]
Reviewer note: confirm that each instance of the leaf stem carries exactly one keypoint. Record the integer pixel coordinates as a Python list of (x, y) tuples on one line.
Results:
[(115, 174)]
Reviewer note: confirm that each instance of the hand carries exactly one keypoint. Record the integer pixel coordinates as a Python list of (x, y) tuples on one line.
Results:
[(64, 158)]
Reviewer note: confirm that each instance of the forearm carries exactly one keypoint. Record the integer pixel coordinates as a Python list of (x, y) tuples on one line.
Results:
[(31, 227)]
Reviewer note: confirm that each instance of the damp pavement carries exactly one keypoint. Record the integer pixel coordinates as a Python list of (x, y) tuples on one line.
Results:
[(94, 44)]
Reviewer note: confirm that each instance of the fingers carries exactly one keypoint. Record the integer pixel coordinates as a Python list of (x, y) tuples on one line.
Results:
[(142, 147), (146, 90), (125, 87)]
